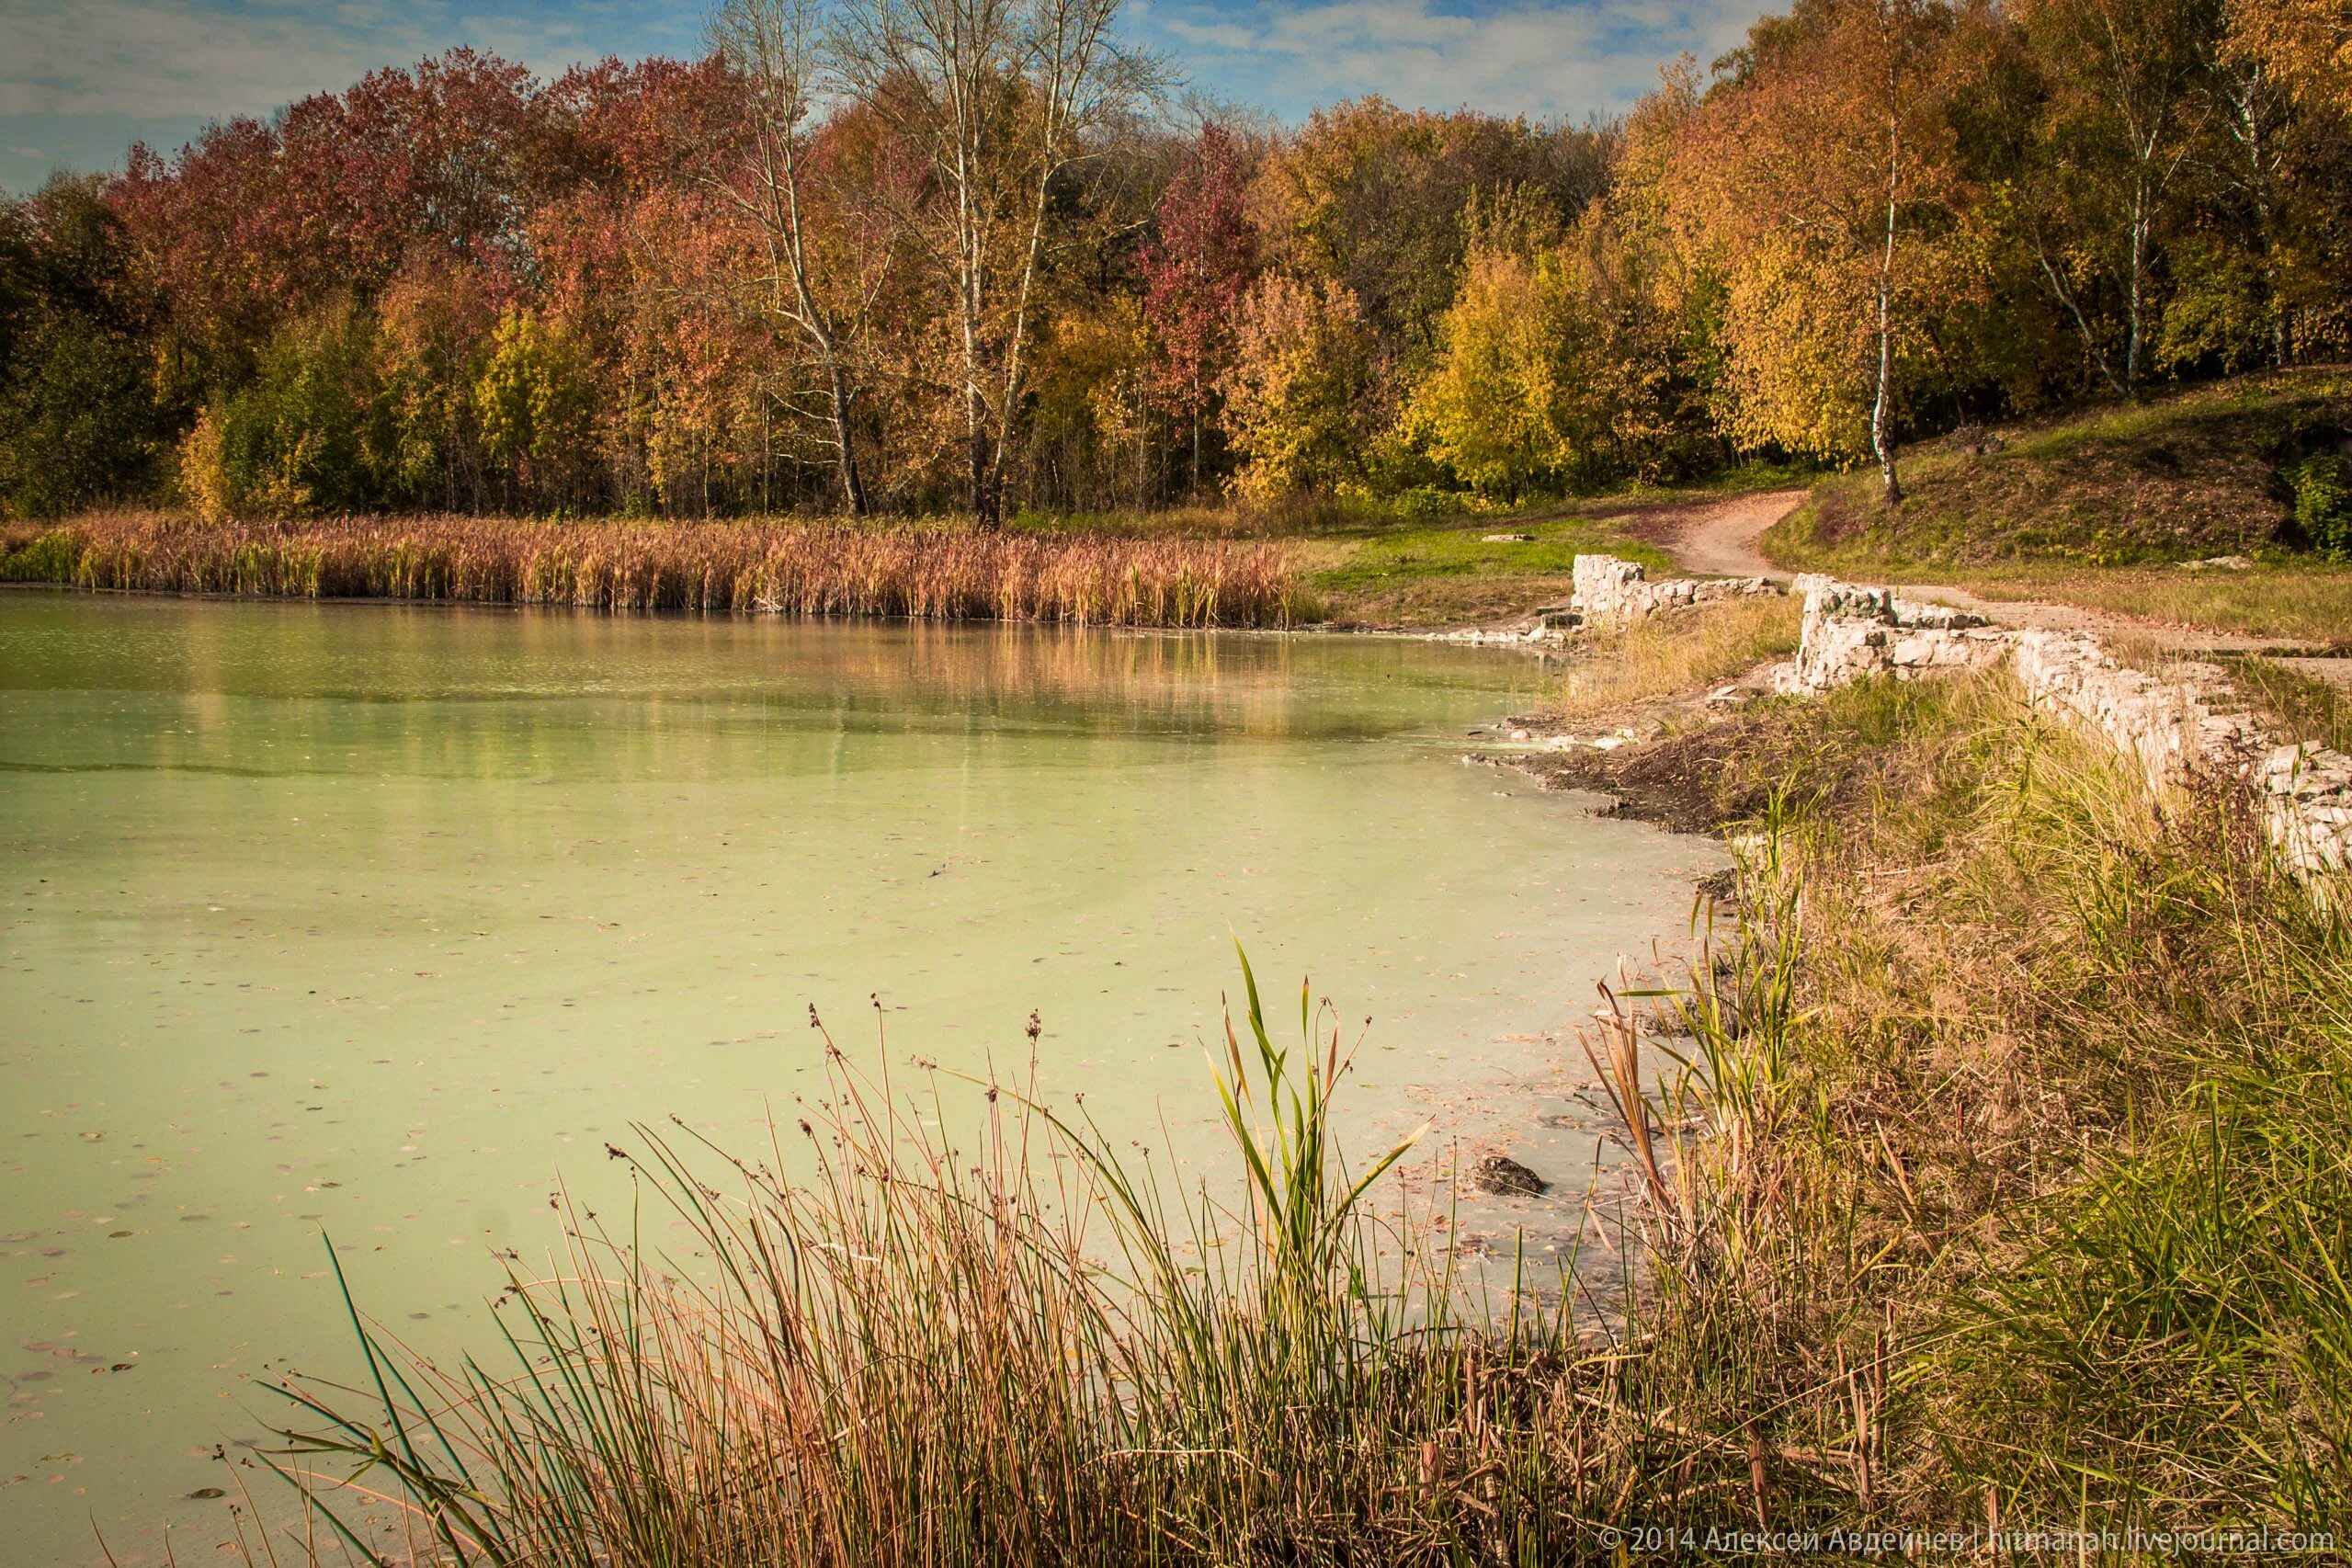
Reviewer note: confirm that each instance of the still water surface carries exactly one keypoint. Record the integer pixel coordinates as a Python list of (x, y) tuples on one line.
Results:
[(372, 921)]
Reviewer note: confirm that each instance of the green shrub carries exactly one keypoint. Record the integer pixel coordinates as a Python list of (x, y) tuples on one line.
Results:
[(50, 557), (294, 440), (2324, 505), (77, 419), (1428, 501)]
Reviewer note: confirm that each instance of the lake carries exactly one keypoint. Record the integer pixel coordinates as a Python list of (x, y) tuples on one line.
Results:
[(370, 921)]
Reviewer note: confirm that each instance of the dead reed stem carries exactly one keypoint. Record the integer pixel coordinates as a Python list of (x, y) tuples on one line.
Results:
[(926, 572)]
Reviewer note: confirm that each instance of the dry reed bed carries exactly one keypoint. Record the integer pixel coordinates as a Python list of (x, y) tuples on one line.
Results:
[(929, 572)]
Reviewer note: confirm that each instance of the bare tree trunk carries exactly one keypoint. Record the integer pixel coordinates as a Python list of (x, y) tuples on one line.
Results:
[(2139, 279), (779, 48), (941, 70), (2065, 297), (844, 444), (2245, 95), (1881, 410), (987, 502)]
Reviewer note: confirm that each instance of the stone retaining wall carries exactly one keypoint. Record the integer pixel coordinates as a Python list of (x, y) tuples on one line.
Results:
[(1610, 589), (1852, 631), (2171, 725), (2307, 799)]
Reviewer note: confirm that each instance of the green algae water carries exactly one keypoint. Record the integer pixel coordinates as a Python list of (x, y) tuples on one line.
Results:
[(376, 922)]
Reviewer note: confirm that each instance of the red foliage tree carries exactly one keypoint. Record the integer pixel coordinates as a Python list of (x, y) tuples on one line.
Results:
[(1196, 270)]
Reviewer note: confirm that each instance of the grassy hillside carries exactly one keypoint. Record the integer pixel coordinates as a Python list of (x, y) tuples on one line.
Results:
[(2214, 471)]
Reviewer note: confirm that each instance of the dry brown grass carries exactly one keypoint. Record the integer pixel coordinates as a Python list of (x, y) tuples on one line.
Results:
[(2308, 602), (928, 571), (1674, 654), (2023, 1099), (2298, 706)]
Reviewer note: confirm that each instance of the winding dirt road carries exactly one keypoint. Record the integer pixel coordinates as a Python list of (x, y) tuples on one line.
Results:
[(1719, 538)]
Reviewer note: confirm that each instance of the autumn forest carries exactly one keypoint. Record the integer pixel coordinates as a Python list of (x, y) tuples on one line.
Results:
[(957, 259)]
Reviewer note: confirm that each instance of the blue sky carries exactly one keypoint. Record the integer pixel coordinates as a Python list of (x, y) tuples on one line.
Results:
[(80, 79)]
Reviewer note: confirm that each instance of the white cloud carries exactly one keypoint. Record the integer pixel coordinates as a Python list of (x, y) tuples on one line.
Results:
[(141, 57), (170, 58), (1525, 56), (80, 78), (1212, 35)]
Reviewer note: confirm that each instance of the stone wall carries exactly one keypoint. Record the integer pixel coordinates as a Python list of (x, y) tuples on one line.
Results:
[(1852, 631), (2169, 724), (2307, 799), (1610, 590), (2174, 725)]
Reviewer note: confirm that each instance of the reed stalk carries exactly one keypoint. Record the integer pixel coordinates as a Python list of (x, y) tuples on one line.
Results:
[(921, 572), (1994, 1166)]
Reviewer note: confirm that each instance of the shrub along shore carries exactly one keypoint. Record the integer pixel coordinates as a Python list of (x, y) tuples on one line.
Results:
[(926, 572), (2006, 1189)]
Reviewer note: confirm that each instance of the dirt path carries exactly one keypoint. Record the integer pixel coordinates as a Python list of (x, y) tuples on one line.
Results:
[(1719, 539)]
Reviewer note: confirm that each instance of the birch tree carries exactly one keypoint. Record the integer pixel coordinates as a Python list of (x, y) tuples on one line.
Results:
[(2127, 106), (2305, 45), (1000, 99), (1815, 183), (822, 283)]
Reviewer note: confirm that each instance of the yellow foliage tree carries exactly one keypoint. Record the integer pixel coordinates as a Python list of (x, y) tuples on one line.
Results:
[(2306, 44), (1492, 407), (203, 474), (1813, 183), (534, 402), (1292, 399)]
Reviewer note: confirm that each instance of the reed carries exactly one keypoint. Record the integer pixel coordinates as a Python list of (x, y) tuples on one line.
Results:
[(1678, 652), (1997, 1175), (1015, 1347), (926, 572)]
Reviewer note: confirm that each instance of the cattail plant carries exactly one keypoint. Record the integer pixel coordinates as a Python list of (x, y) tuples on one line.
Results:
[(923, 572)]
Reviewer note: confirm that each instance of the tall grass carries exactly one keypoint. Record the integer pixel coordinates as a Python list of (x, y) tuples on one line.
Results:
[(1019, 1349), (2298, 706), (2023, 1148), (1674, 653), (2006, 1179), (814, 569)]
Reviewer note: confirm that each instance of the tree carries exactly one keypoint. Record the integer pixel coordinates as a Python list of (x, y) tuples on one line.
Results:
[(1492, 409), (1000, 98), (79, 421), (824, 292), (77, 425), (2305, 45), (2279, 86), (1090, 415), (294, 439), (534, 398), (1816, 181), (2127, 101), (1372, 196), (1294, 395), (1197, 269), (433, 323)]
